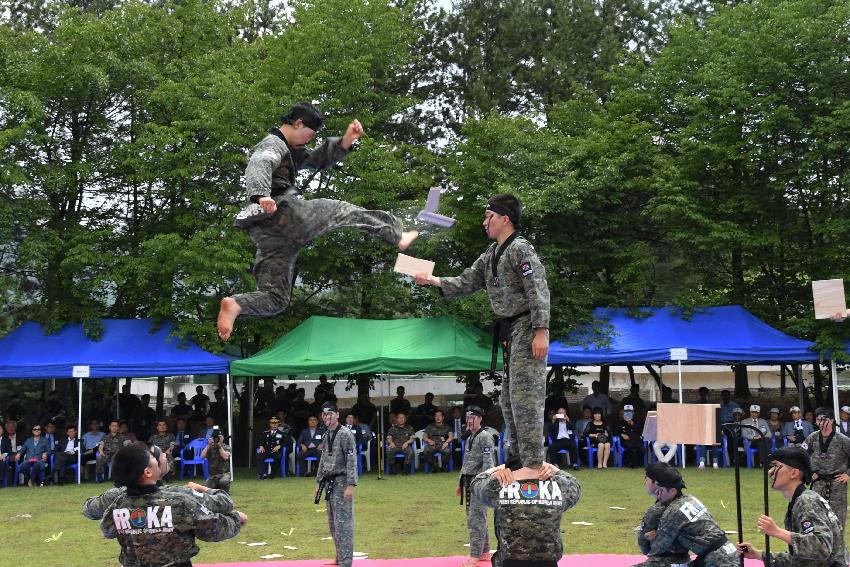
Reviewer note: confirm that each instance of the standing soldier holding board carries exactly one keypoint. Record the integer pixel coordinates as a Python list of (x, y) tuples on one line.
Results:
[(830, 454), (337, 476), (515, 281)]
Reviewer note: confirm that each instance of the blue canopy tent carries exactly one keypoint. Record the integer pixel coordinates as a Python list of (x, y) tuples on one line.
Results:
[(712, 335), (127, 348)]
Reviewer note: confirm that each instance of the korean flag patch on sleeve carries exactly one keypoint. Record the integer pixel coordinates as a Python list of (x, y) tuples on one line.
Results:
[(808, 526), (525, 269)]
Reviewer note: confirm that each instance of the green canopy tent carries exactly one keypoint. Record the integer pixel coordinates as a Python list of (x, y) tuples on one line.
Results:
[(361, 346), (364, 346)]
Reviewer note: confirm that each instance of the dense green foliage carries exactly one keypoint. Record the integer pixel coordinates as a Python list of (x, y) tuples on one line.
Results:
[(667, 153)]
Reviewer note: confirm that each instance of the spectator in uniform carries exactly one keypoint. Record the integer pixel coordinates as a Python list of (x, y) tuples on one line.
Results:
[(165, 441), (108, 447), (400, 439), (437, 440), (272, 443), (217, 453)]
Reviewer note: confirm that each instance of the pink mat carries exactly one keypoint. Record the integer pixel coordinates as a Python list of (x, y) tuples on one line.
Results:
[(566, 561)]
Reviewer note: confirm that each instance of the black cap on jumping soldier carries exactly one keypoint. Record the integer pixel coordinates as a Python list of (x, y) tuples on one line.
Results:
[(309, 115), (506, 205), (665, 476), (794, 457)]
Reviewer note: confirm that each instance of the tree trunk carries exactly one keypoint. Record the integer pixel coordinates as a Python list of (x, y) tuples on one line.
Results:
[(782, 381), (631, 375), (604, 379), (742, 384), (818, 386), (160, 394), (655, 375)]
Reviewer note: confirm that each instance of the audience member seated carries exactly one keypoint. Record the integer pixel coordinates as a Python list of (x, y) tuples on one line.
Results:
[(560, 432), (272, 443), (437, 439), (50, 436), (181, 436), (797, 429), (165, 441), (399, 404), (124, 429), (8, 448), (631, 438), (774, 426), (600, 437), (33, 457), (182, 409), (583, 422), (65, 454), (400, 439), (200, 403), (107, 448), (91, 440), (634, 400), (310, 441), (756, 421), (595, 399), (352, 425)]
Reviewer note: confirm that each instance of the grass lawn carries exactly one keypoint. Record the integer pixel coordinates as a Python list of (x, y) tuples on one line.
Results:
[(414, 516)]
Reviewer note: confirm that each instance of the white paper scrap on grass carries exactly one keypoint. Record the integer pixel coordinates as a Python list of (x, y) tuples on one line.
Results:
[(271, 556), (327, 538), (616, 508), (410, 266), (582, 524), (322, 510), (730, 531), (257, 543), (360, 554), (290, 547)]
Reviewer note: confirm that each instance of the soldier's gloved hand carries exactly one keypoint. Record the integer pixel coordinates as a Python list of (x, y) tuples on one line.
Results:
[(268, 205)]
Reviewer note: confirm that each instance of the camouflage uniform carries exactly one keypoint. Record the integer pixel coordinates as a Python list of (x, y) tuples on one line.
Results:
[(686, 523), (826, 464), (816, 536), (111, 444), (338, 469), (219, 468), (676, 555), (164, 442), (280, 237), (518, 293), (399, 436), (438, 434), (158, 527), (528, 515), (479, 455), (216, 500)]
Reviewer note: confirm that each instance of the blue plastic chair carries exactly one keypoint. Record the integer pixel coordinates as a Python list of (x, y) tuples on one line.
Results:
[(68, 466), (439, 455), (195, 446), (751, 449), (560, 451), (396, 456), (306, 460), (501, 447)]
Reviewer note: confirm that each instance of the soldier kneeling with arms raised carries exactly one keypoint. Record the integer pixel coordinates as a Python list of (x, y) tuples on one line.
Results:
[(158, 527), (812, 530)]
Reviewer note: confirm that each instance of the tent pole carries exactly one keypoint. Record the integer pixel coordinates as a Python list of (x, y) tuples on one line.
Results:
[(230, 424), (250, 419), (681, 400), (79, 428), (834, 388), (381, 455)]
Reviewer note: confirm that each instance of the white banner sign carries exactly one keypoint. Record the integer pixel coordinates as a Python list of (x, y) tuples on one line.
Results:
[(81, 371), (678, 354)]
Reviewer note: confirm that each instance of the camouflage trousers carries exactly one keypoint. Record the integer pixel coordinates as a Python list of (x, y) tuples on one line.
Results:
[(103, 459), (429, 452), (836, 494), (341, 523), (523, 393), (279, 240), (476, 523), (662, 562), (221, 481)]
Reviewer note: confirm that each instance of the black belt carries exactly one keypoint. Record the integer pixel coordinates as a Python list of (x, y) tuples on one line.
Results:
[(501, 333), (826, 477), (529, 563)]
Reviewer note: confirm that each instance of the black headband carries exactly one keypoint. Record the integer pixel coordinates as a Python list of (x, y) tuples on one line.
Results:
[(499, 210)]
